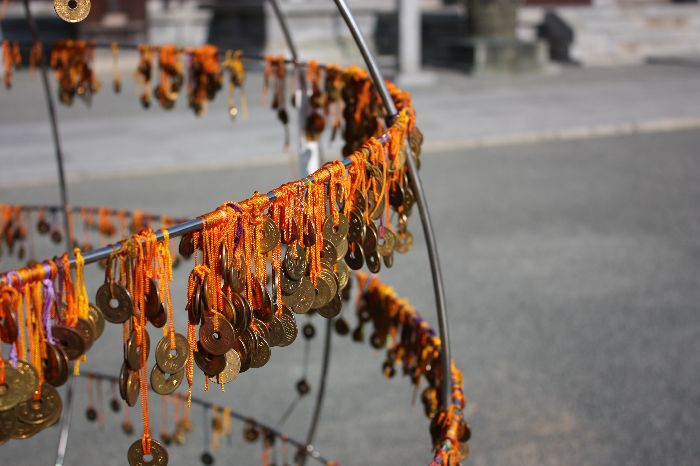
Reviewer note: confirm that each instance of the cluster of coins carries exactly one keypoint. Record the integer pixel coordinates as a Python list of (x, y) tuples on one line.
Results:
[(205, 77), (72, 62), (27, 406), (11, 58), (412, 344), (172, 76)]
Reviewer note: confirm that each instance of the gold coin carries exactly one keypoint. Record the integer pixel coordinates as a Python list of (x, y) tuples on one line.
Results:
[(11, 393), (72, 11)]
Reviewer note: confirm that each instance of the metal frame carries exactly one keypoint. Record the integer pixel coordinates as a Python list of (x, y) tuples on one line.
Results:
[(196, 224)]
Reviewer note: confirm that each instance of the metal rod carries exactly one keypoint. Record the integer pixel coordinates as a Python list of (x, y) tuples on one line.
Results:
[(65, 424), (325, 364), (208, 405), (285, 29), (380, 85), (54, 128)]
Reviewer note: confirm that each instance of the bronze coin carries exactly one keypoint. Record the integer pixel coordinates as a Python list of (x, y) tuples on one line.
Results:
[(186, 246), (288, 285), (276, 328), (369, 245), (356, 226), (262, 304), (354, 258), (115, 303), (305, 297), (342, 271), (30, 379), (87, 331), (152, 300), (172, 361), (55, 365), (208, 363), (70, 340), (98, 320), (269, 235), (342, 228), (136, 456), (331, 309), (326, 288), (165, 383), (231, 370), (24, 431), (329, 252), (40, 411), (387, 243), (123, 376), (236, 276), (388, 260), (194, 312), (374, 263), (262, 353), (243, 354), (294, 263), (7, 425), (244, 313), (13, 391), (133, 350), (341, 249), (404, 242), (160, 319), (290, 327), (133, 387), (216, 341)]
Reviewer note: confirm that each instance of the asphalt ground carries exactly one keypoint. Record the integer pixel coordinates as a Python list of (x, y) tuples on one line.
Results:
[(571, 272)]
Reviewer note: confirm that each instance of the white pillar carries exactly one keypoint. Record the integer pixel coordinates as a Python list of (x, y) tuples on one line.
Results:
[(410, 72)]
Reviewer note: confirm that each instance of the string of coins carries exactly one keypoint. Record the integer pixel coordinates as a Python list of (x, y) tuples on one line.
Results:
[(326, 223), (413, 344), (72, 62), (16, 233), (46, 321), (217, 425)]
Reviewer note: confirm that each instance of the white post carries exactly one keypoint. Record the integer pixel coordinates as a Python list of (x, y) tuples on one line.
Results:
[(410, 59)]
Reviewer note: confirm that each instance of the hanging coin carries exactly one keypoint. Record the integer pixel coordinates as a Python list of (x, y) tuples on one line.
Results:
[(244, 313), (13, 391), (87, 331), (209, 364), (356, 226), (326, 288), (270, 235), (288, 285), (231, 370), (133, 350), (42, 410), (98, 320), (290, 327), (216, 341), (30, 379), (295, 262), (168, 361), (55, 365), (331, 309), (342, 271), (341, 229), (70, 340), (276, 328), (386, 243), (236, 276), (354, 258), (72, 11), (186, 246), (305, 297), (136, 455), (115, 302), (373, 260), (165, 383), (261, 356), (132, 388), (7, 425)]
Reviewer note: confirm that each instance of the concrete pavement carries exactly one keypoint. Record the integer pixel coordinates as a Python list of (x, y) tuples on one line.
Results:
[(117, 138), (573, 288)]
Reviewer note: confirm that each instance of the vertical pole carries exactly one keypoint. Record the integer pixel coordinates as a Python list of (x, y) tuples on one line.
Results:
[(438, 286), (68, 403), (409, 38)]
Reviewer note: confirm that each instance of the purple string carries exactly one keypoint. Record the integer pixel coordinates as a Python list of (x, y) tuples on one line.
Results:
[(13, 349), (49, 298)]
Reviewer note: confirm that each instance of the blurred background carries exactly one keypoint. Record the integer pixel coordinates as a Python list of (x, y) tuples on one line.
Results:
[(561, 168)]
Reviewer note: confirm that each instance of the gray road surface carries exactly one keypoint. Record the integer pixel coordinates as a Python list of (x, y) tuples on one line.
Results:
[(573, 289)]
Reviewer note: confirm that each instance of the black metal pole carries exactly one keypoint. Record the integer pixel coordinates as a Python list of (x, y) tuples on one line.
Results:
[(325, 364), (65, 422), (54, 129), (438, 286)]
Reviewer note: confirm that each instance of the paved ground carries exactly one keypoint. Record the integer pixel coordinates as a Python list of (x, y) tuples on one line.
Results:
[(572, 283), (456, 113)]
